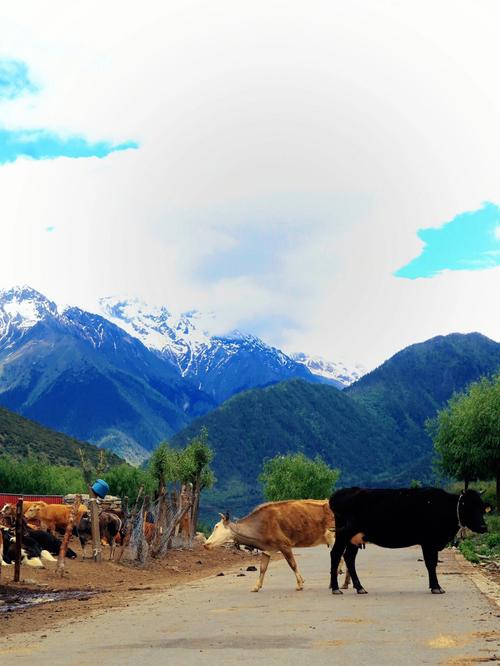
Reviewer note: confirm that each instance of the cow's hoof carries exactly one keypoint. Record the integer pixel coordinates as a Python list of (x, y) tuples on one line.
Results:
[(345, 586), (437, 590), (337, 592), (255, 589), (361, 590)]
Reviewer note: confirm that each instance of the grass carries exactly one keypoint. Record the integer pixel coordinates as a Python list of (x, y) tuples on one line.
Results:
[(483, 547)]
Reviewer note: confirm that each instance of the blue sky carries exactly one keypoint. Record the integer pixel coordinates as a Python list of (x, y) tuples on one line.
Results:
[(14, 79), (41, 144), (316, 177), (470, 241)]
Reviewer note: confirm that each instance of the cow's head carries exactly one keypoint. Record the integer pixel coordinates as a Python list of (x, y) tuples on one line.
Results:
[(33, 511), (221, 533), (472, 510)]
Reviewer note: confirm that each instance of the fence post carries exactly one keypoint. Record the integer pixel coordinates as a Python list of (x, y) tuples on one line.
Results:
[(19, 539), (161, 524), (94, 524), (130, 524), (67, 534), (140, 545)]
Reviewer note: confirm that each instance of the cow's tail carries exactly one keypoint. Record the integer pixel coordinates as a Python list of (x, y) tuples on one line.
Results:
[(48, 556)]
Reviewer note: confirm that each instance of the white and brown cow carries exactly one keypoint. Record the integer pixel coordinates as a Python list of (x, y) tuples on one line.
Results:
[(279, 527)]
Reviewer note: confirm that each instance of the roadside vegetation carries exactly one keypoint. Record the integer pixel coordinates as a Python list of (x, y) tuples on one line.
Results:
[(466, 438), (295, 476), (36, 475)]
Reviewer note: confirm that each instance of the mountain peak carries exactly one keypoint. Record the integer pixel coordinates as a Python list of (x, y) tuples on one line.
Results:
[(21, 307)]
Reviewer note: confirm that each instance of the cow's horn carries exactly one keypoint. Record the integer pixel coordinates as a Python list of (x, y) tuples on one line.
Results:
[(227, 515), (481, 492)]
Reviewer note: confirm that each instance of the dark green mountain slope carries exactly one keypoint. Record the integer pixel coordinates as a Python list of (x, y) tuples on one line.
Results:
[(373, 431), (417, 381), (20, 436), (294, 416)]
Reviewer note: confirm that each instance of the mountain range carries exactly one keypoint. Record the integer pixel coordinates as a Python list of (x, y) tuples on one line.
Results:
[(128, 377), (373, 431)]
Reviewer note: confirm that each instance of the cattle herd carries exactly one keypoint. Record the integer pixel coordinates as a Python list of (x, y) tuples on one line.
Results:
[(352, 518), (42, 525)]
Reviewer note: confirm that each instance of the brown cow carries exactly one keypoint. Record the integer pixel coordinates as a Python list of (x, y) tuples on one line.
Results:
[(279, 526), (53, 516)]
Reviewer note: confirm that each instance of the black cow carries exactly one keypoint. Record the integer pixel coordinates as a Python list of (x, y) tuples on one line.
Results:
[(49, 543), (398, 518), (31, 552)]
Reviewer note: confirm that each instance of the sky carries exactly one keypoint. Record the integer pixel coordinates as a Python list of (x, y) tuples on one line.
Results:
[(324, 175)]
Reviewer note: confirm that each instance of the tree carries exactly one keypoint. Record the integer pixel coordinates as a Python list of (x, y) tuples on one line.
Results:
[(466, 434), (295, 476), (195, 462)]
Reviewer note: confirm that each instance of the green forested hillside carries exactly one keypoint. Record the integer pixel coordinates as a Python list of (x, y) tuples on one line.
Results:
[(373, 431), (417, 381), (20, 436), (292, 416)]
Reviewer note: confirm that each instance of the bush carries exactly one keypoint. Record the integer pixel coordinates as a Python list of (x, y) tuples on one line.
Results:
[(295, 476), (36, 476)]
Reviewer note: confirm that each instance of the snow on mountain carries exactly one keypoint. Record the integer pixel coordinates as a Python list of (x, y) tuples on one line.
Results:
[(21, 308), (178, 338), (220, 365), (335, 372)]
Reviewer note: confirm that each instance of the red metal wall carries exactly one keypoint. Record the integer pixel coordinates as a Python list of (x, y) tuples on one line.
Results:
[(11, 498)]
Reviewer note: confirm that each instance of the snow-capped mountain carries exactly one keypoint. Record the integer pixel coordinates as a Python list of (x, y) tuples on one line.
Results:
[(81, 374), (220, 365), (332, 372)]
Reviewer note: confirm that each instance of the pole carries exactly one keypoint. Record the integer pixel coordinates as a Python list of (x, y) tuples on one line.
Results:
[(130, 524), (19, 539), (94, 524), (67, 534)]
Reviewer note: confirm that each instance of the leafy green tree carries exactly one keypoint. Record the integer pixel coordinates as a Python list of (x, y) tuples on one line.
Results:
[(295, 476), (466, 434), (165, 465), (34, 475), (125, 481), (195, 468)]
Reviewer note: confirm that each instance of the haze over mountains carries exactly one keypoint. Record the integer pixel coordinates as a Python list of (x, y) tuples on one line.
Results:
[(127, 380)]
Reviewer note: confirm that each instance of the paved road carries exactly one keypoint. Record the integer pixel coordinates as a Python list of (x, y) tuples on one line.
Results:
[(219, 621)]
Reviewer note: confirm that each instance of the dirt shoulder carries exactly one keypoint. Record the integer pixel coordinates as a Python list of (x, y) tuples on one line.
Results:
[(110, 583)]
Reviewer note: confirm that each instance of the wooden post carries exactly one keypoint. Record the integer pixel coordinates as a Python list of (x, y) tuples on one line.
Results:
[(19, 539), (140, 545), (67, 534), (130, 524), (161, 524), (94, 525)]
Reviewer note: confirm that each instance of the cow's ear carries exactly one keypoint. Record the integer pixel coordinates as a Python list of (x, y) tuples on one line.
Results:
[(226, 517), (487, 508)]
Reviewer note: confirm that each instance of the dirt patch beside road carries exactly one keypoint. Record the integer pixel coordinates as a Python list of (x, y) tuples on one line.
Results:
[(112, 584)]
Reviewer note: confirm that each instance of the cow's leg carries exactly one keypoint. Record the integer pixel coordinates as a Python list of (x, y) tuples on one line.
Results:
[(264, 561), (335, 556), (347, 578), (287, 552), (350, 558), (431, 558)]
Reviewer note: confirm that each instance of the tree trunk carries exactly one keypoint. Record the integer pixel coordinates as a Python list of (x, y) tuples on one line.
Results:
[(19, 539), (161, 524), (67, 534), (466, 483)]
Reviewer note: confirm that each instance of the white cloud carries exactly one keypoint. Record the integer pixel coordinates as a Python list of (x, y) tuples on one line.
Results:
[(357, 122)]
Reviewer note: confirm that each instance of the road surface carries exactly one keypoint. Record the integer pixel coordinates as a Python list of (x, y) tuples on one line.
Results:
[(219, 621)]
